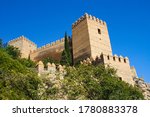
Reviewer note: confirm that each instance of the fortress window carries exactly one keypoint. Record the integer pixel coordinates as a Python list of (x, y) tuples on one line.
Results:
[(125, 60), (99, 31), (114, 58), (119, 60), (108, 58)]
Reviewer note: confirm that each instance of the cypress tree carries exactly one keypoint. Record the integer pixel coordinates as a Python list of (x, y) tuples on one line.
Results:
[(1, 43), (66, 54)]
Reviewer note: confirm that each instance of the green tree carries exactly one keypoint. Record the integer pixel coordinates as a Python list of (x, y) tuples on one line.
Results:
[(27, 62), (1, 43), (66, 58), (16, 80), (13, 51), (97, 83)]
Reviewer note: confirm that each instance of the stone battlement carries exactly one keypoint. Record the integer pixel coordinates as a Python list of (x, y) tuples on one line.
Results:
[(104, 57), (116, 58), (55, 43), (22, 38), (87, 16), (51, 69)]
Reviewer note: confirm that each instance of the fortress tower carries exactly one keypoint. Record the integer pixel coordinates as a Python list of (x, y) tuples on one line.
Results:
[(90, 38), (24, 45)]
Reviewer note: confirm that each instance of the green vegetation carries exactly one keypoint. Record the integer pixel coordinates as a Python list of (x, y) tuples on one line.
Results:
[(97, 83), (50, 60), (66, 58), (19, 81), (13, 52), (27, 62), (16, 80)]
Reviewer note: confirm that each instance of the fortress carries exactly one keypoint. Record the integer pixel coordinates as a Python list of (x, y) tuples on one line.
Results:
[(90, 39)]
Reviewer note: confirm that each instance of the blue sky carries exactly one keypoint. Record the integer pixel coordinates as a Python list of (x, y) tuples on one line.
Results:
[(43, 21)]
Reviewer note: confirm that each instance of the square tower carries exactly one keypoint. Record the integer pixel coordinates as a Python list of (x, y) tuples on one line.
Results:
[(24, 45), (90, 38)]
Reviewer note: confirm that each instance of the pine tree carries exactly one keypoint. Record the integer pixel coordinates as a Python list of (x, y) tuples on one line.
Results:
[(66, 58)]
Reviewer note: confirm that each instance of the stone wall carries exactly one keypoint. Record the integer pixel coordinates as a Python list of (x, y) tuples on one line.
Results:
[(51, 70), (53, 50), (122, 65)]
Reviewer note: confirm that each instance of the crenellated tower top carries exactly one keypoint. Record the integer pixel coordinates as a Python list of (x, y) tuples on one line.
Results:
[(87, 16), (22, 38)]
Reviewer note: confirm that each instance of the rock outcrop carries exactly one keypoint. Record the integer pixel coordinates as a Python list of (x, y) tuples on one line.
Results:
[(145, 87)]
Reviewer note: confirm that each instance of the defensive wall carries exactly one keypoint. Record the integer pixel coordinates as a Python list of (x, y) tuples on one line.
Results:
[(53, 50), (121, 64)]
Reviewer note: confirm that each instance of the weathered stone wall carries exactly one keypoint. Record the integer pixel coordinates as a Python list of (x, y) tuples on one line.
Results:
[(24, 45), (51, 71), (122, 65), (53, 50), (80, 40), (90, 38)]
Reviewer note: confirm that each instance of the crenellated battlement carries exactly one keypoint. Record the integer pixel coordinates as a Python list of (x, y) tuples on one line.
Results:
[(87, 16), (106, 58), (115, 58), (52, 44), (21, 38), (51, 69)]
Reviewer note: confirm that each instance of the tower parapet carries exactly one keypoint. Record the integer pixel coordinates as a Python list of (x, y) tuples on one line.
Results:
[(21, 38), (24, 45), (87, 16)]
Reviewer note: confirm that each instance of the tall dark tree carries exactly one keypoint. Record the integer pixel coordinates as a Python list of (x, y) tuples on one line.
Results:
[(66, 58), (1, 43)]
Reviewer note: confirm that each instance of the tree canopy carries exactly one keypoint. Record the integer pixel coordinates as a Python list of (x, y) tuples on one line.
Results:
[(16, 80)]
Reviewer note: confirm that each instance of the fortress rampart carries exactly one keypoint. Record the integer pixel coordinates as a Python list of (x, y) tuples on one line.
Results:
[(121, 64), (53, 50)]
